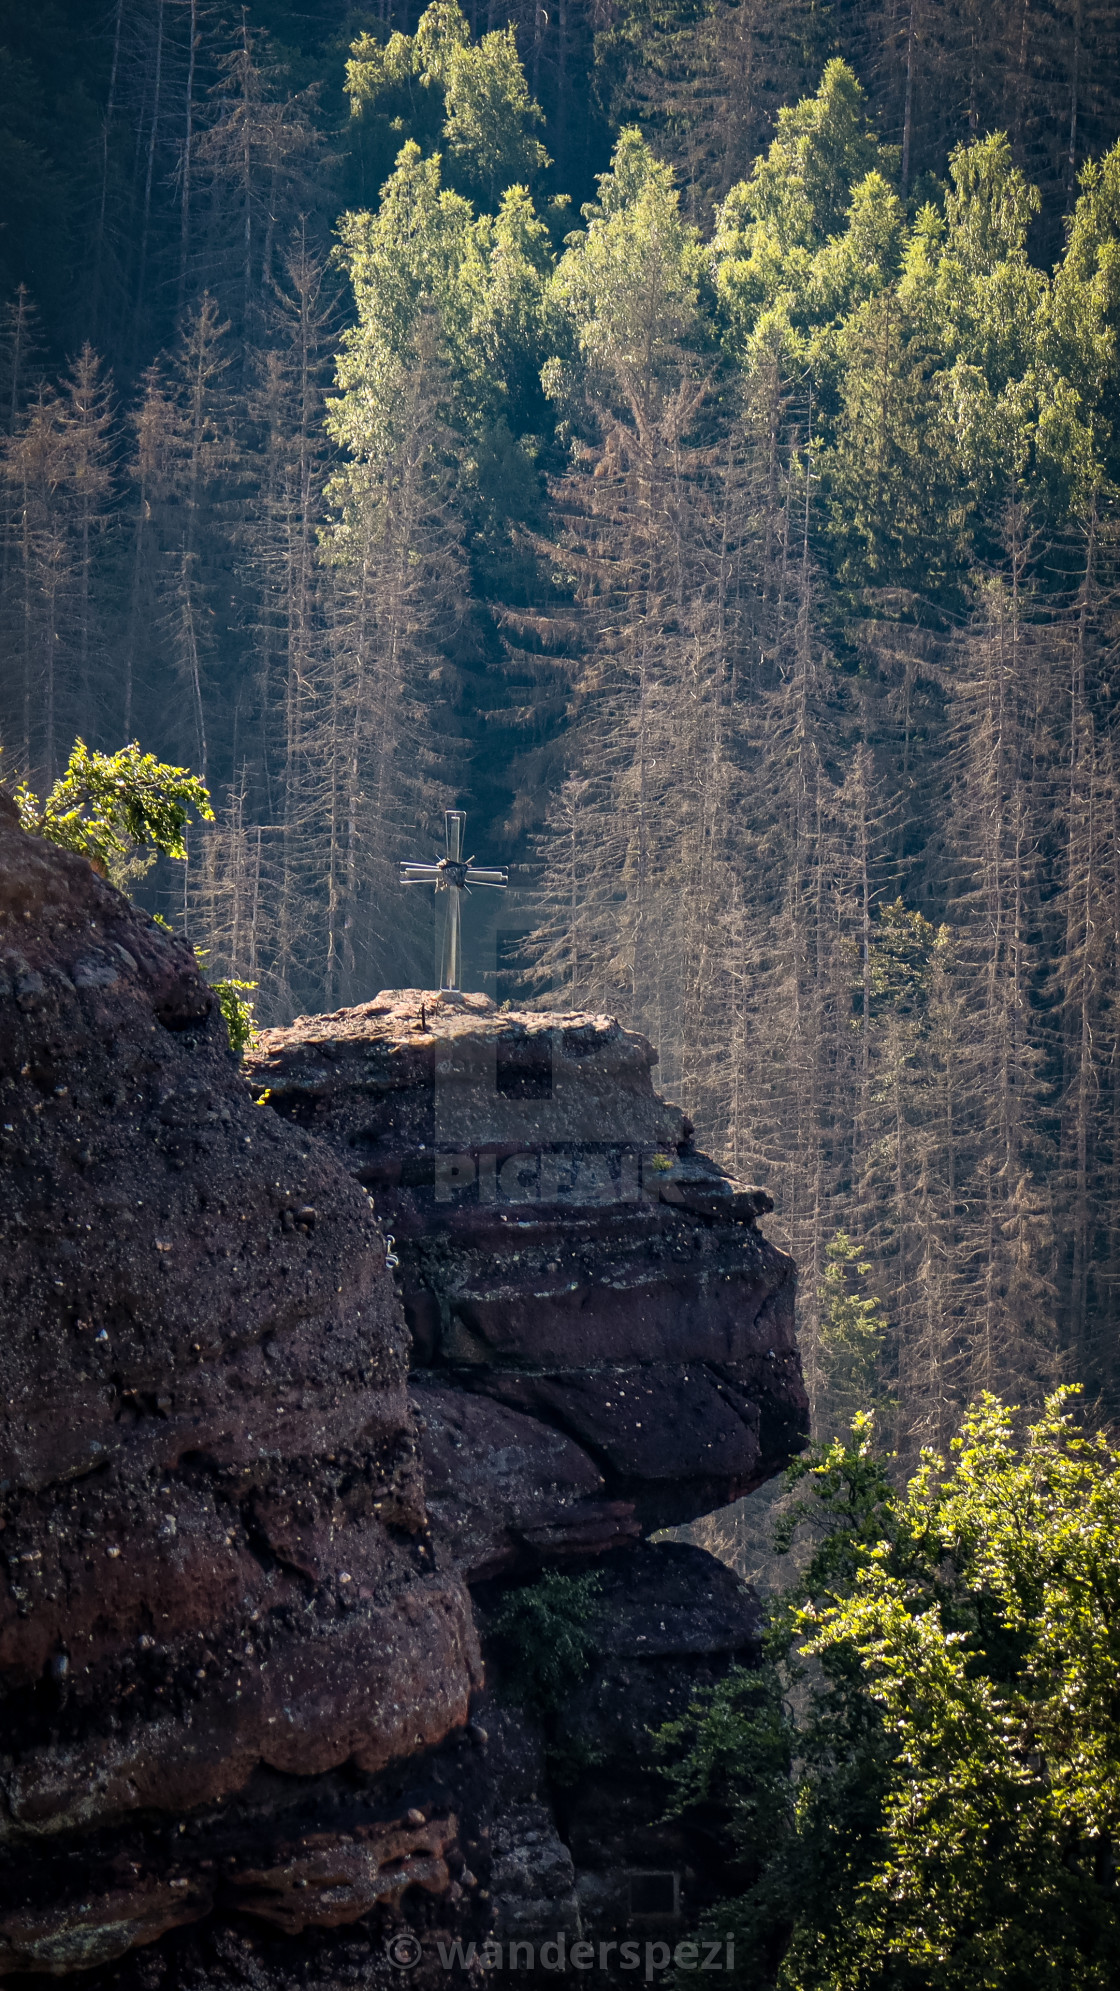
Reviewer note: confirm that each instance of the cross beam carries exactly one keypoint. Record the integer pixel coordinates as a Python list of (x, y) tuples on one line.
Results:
[(453, 874)]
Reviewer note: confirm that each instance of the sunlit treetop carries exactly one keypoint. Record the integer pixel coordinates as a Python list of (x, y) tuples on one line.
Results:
[(629, 283), (429, 274), (800, 200), (476, 94), (118, 810)]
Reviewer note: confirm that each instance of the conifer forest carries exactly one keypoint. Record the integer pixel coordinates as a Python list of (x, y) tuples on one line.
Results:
[(686, 435)]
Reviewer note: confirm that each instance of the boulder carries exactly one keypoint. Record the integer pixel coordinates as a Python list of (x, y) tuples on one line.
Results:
[(504, 1488), (567, 1259)]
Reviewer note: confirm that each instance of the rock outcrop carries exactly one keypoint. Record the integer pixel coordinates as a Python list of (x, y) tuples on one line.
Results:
[(245, 1734), (212, 1523), (602, 1345), (602, 1339)]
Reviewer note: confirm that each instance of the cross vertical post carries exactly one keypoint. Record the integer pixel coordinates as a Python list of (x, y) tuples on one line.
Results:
[(453, 874), (451, 965)]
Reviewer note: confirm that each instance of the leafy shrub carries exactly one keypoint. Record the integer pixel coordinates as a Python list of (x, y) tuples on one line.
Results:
[(943, 1685), (238, 1012), (541, 1630), (121, 811), (118, 810)]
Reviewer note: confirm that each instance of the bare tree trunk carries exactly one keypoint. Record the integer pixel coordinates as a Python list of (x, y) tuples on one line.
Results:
[(188, 148), (21, 318), (247, 169), (26, 617), (908, 100), (1074, 85), (153, 137), (188, 631), (1080, 887), (106, 133)]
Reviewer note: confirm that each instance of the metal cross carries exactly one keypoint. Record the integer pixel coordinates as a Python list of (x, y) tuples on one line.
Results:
[(453, 874)]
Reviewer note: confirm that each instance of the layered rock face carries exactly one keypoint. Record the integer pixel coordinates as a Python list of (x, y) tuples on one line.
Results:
[(602, 1339), (219, 1581), (602, 1344), (245, 1735)]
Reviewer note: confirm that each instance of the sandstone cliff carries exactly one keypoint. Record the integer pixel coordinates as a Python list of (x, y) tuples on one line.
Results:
[(211, 1509), (245, 1730), (602, 1340), (602, 1345)]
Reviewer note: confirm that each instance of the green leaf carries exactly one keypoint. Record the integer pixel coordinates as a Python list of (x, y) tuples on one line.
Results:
[(118, 810)]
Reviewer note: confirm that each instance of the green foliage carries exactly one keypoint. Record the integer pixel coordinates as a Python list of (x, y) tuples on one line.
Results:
[(816, 219), (791, 1766), (955, 1796), (490, 115), (395, 86), (629, 285), (947, 373), (541, 1629), (852, 1339), (824, 146), (903, 947), (734, 1751), (404, 262), (1085, 319), (888, 471), (426, 271), (118, 810), (121, 811), (948, 370), (237, 1011), (234, 1003), (487, 113)]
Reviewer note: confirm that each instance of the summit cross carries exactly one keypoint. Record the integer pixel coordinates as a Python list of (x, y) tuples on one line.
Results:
[(453, 874)]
